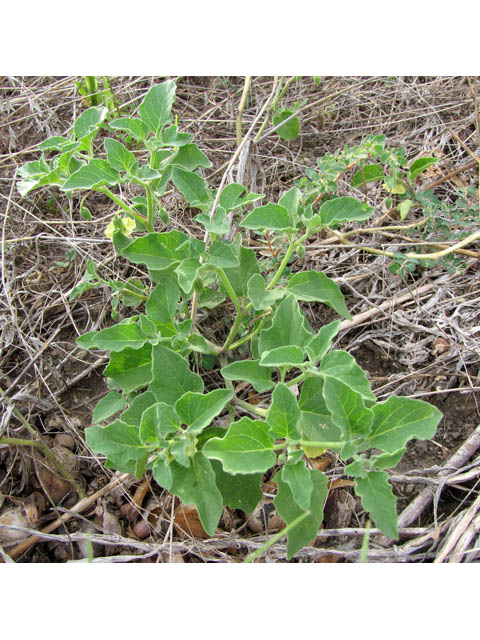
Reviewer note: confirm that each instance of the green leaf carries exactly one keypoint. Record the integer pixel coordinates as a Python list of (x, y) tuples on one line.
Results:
[(161, 471), (175, 138), (297, 476), (368, 173), (287, 327), (290, 200), (222, 255), (107, 406), (187, 271), (131, 369), (219, 224), (262, 298), (318, 427), (180, 451), (314, 286), (156, 108), (94, 174), (420, 165), (247, 448), (250, 371), (158, 422), (404, 207), (172, 376), (238, 491), (344, 209), (239, 276), (397, 420), (272, 217), (306, 530), (386, 460), (199, 343), (190, 157), (341, 365), (89, 121), (291, 129), (321, 343), (348, 412), (162, 303), (191, 185), (196, 485), (157, 250), (55, 143), (284, 414), (236, 195), (290, 356), (378, 499), (134, 126), (197, 411), (119, 440), (120, 336), (142, 401), (118, 156)]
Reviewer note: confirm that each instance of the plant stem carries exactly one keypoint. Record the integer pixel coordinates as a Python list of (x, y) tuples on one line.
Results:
[(251, 407), (121, 204), (282, 266), (150, 208), (241, 107), (256, 554)]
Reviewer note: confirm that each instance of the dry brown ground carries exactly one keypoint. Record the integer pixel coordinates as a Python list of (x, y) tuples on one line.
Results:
[(53, 386)]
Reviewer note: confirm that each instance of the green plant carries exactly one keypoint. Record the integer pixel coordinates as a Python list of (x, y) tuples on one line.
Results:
[(166, 397), (89, 88)]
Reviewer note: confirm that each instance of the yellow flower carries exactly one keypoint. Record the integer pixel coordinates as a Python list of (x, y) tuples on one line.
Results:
[(125, 225)]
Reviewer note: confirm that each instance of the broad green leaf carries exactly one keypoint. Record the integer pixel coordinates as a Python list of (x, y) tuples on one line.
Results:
[(397, 420), (318, 427), (56, 143), (284, 414), (287, 327), (321, 343), (289, 130), (156, 108), (190, 157), (341, 365), (173, 137), (290, 200), (94, 174), (191, 185), (163, 300), (131, 369), (118, 156), (238, 491), (196, 485), (377, 498), (107, 406), (134, 126), (161, 471), (120, 336), (135, 467), (250, 371), (89, 121), (247, 448), (157, 250), (142, 401), (239, 276), (172, 376), (314, 286), (272, 217), (219, 224), (306, 530), (420, 165), (187, 271), (158, 422), (133, 293), (262, 298), (369, 173), (386, 460), (290, 356), (180, 450), (119, 440), (404, 207), (316, 422), (297, 476), (222, 255), (199, 343), (236, 195), (197, 411), (348, 412), (344, 209)]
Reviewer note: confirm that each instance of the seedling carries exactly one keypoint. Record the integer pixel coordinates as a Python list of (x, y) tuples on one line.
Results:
[(202, 439)]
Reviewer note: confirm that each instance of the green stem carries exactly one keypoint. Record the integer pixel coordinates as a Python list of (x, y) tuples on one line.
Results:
[(283, 264), (320, 445), (251, 407), (121, 204), (150, 209), (256, 554), (229, 288)]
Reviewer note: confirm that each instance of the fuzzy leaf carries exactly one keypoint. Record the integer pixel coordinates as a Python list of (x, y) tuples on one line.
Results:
[(197, 411), (250, 371), (119, 157), (297, 476), (287, 327), (156, 108), (157, 250), (236, 195), (377, 498), (246, 448), (258, 294), (158, 422), (282, 356), (340, 364), (344, 209), (284, 414), (94, 174), (131, 369), (120, 336), (272, 217), (134, 126), (191, 185), (238, 491), (321, 343), (314, 286), (107, 406), (119, 440), (172, 376)]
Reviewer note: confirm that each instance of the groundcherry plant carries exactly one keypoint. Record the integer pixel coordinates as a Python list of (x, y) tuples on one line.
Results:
[(210, 416)]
